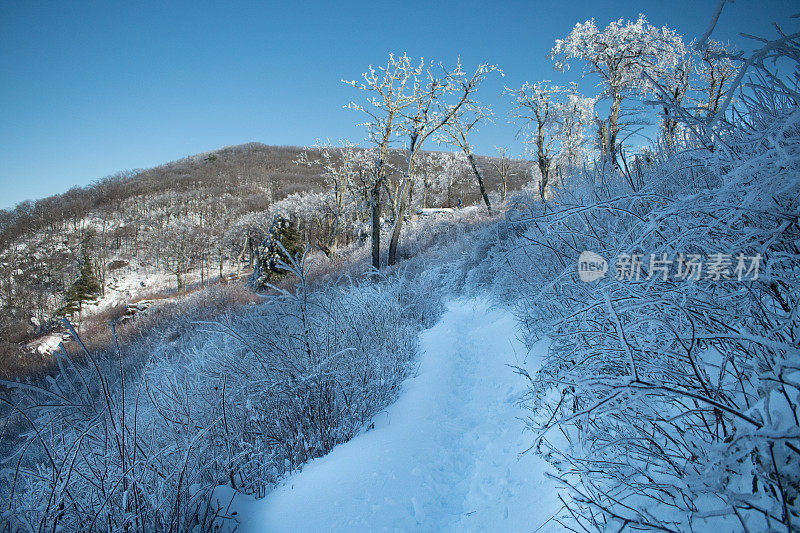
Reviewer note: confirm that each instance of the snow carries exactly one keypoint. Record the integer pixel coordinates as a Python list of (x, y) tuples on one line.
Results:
[(435, 211), (446, 456), (130, 284), (126, 286), (47, 344)]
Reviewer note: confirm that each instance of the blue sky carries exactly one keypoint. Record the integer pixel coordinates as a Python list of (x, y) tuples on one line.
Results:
[(91, 88)]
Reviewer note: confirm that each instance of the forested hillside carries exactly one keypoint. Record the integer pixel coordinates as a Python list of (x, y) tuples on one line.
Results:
[(193, 222)]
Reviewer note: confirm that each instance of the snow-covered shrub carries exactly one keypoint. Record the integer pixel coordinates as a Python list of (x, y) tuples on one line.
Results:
[(139, 438), (667, 403)]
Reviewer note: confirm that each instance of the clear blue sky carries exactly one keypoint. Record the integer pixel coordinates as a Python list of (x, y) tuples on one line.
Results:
[(91, 88)]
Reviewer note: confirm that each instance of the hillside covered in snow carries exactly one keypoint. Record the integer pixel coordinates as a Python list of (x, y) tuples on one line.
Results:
[(154, 234)]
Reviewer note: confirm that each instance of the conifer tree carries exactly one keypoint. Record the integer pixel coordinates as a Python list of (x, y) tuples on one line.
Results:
[(270, 254), (86, 287)]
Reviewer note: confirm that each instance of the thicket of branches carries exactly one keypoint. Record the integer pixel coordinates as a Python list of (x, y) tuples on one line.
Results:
[(672, 404), (139, 438)]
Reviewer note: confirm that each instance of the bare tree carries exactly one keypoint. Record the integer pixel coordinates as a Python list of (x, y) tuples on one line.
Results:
[(388, 98), (619, 55), (468, 117), (430, 114), (554, 119), (502, 166)]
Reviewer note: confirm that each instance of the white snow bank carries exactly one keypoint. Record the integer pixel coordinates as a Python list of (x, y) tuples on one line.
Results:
[(47, 344), (445, 456), (428, 211)]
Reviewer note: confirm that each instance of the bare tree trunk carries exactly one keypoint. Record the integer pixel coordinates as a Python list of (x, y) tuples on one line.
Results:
[(503, 167), (544, 163), (240, 257), (398, 223), (391, 199), (543, 185), (404, 193), (670, 125), (339, 194), (613, 129), (375, 200), (544, 171), (398, 188), (480, 182)]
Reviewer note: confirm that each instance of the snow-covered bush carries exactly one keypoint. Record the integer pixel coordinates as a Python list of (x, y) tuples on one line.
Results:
[(140, 437), (671, 402)]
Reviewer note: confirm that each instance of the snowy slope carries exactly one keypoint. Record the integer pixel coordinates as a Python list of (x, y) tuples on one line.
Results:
[(445, 456)]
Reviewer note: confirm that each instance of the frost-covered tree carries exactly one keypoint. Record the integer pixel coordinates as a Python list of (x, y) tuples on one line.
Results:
[(425, 168), (389, 94), (182, 244), (554, 120), (439, 174), (468, 117), (416, 102), (666, 401), (620, 55), (243, 236), (454, 170), (502, 165), (676, 83), (314, 214), (536, 106), (341, 167), (716, 69), (441, 95), (576, 114), (420, 121)]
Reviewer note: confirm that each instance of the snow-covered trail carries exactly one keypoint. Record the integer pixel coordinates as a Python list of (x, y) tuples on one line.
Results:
[(445, 456)]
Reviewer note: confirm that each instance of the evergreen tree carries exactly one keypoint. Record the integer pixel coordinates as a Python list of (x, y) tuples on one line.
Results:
[(86, 287), (270, 254)]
